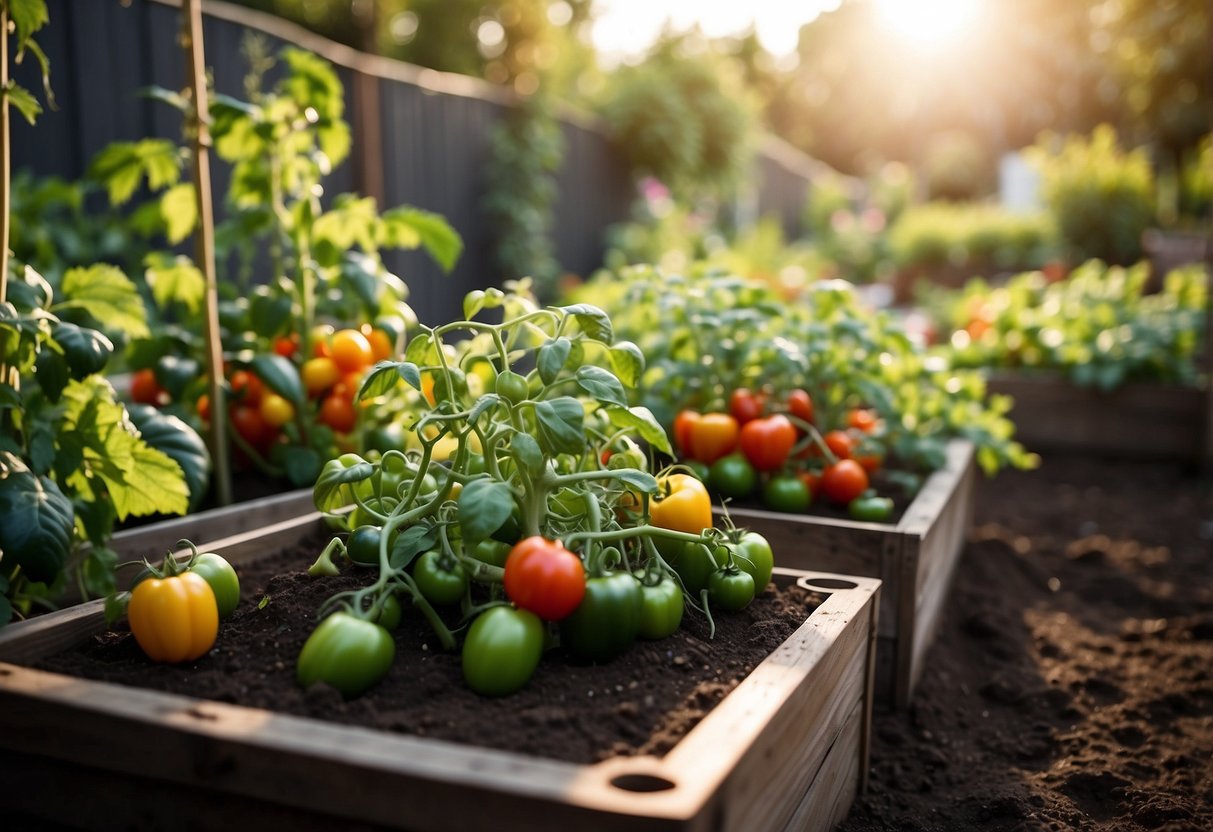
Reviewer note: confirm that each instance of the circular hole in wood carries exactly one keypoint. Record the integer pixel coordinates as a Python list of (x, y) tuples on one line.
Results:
[(826, 583), (642, 783)]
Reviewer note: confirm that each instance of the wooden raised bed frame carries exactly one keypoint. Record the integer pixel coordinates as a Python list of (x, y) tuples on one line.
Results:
[(915, 558), (787, 749), (1139, 420)]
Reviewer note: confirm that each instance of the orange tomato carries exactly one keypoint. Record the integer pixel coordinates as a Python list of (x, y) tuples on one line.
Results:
[(862, 419), (383, 346), (351, 350), (319, 374), (286, 345), (204, 407), (714, 435)]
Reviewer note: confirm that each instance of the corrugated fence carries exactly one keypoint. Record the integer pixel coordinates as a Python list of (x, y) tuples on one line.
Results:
[(434, 131)]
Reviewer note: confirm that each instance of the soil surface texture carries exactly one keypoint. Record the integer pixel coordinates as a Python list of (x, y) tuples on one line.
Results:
[(640, 703), (1071, 683)]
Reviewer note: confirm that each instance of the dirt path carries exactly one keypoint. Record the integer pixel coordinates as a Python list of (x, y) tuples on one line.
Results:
[(1071, 686)]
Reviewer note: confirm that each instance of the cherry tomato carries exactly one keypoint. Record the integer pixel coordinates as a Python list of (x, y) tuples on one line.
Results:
[(844, 481), (146, 390), (440, 582), (350, 384), (745, 405), (351, 350), (754, 555), (247, 388), (870, 462), (767, 442), (812, 481), (800, 405), (338, 413), (733, 476), (512, 387), (320, 341), (839, 443), (251, 427), (286, 345), (363, 545), (714, 435), (683, 423), (862, 419), (544, 577), (383, 346), (319, 374), (786, 493), (731, 589), (275, 410), (204, 407)]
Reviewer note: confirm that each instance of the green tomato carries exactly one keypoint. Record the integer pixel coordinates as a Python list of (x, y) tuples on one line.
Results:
[(871, 509), (786, 493), (731, 589), (733, 476), (492, 552), (753, 555), (221, 578), (693, 562), (390, 613), (512, 387), (439, 582), (346, 652), (661, 610), (607, 620), (502, 650), (702, 472), (363, 545)]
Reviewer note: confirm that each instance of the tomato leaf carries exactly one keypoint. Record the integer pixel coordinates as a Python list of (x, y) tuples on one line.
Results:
[(561, 424), (641, 420), (38, 520), (483, 405), (410, 543), (600, 384), (179, 208), (330, 493), (97, 570), (302, 465), (407, 224), (28, 17), (175, 280), (179, 441), (281, 376), (484, 505), (640, 480), (593, 321), (24, 102), (108, 296), (52, 374), (86, 351), (552, 357), (269, 315), (526, 450), (627, 361)]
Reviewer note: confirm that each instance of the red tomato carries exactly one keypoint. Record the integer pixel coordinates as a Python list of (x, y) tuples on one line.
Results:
[(337, 412), (839, 444), (800, 405), (714, 435), (251, 426), (204, 407), (812, 481), (870, 462), (247, 388), (286, 345), (146, 390), (862, 419), (767, 442), (746, 405), (843, 481), (544, 577), (683, 423)]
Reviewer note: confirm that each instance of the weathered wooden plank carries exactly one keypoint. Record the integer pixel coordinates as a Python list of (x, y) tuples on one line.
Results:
[(829, 799), (1141, 421), (797, 707)]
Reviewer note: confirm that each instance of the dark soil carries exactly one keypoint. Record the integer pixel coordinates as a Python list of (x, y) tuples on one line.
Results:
[(641, 703), (1071, 685)]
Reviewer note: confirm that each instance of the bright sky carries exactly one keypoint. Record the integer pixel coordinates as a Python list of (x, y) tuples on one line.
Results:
[(625, 27)]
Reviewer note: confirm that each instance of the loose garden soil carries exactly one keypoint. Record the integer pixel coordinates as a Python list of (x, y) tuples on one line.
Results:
[(640, 703), (1071, 685)]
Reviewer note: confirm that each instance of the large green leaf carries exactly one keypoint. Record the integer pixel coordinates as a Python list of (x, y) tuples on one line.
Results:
[(108, 296), (28, 17), (178, 440), (175, 280), (561, 424), (408, 227), (484, 505), (593, 321), (179, 208), (86, 351), (23, 101), (600, 384), (641, 420), (332, 490), (36, 521)]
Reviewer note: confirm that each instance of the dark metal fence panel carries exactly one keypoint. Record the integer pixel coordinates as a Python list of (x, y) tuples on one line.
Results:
[(435, 132)]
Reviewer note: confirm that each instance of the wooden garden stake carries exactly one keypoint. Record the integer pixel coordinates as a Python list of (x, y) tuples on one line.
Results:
[(5, 162), (205, 242)]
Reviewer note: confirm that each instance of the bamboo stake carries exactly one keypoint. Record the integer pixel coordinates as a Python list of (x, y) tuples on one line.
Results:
[(5, 162), (205, 247)]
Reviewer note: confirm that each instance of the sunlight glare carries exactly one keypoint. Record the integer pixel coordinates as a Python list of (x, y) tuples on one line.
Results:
[(928, 23)]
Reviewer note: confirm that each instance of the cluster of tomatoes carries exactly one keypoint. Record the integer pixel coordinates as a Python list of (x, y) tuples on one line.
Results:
[(771, 446), (334, 372)]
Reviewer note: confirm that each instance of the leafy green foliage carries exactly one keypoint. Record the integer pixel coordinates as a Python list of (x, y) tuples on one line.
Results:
[(708, 332), (975, 238), (1101, 197), (1098, 326)]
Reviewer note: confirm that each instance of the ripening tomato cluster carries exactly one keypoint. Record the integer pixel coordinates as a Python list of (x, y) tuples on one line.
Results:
[(772, 446), (334, 372), (255, 412)]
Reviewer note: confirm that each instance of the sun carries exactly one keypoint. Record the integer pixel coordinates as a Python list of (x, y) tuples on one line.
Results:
[(928, 23)]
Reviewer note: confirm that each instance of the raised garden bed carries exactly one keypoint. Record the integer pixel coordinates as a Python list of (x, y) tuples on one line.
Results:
[(786, 748), (915, 558), (1137, 420)]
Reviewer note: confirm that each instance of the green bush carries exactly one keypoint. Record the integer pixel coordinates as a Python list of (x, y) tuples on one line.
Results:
[(1101, 197), (1196, 184), (977, 237), (1098, 325)]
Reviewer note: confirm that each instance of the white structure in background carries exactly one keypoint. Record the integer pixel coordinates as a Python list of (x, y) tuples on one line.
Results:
[(1018, 184)]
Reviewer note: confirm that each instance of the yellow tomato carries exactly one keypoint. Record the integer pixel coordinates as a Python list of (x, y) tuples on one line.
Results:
[(275, 410), (319, 374), (174, 619)]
